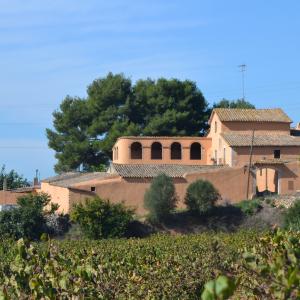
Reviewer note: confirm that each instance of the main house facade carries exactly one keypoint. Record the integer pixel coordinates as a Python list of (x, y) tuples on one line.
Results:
[(246, 151)]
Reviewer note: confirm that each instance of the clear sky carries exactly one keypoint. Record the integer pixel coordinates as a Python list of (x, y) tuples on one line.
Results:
[(52, 48)]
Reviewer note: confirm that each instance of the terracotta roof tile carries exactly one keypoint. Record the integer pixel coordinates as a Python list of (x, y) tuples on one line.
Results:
[(69, 179), (239, 140), (252, 115), (152, 170)]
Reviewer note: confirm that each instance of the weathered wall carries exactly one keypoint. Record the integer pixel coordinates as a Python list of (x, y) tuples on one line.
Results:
[(123, 146), (79, 196), (231, 183), (8, 197), (221, 153), (242, 154), (59, 195), (289, 178)]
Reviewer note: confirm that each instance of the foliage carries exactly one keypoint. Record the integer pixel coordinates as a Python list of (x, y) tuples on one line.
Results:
[(159, 267), (86, 129), (57, 224), (249, 207), (160, 199), (239, 103), (28, 219), (99, 218), (13, 179), (201, 196), (292, 217), (269, 269), (221, 288)]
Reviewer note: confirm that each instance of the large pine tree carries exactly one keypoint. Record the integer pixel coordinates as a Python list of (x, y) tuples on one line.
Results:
[(86, 129)]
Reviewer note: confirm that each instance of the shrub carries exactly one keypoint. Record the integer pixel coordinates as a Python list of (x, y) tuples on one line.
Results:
[(99, 218), (57, 224), (249, 207), (27, 219), (292, 217), (201, 196), (160, 199)]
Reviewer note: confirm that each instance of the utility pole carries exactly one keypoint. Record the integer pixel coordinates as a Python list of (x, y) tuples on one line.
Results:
[(243, 70), (250, 163)]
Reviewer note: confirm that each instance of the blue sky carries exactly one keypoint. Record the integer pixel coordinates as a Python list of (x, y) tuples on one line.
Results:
[(52, 48)]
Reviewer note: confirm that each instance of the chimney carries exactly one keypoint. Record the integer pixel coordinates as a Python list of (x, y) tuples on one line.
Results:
[(298, 126), (4, 184), (36, 179)]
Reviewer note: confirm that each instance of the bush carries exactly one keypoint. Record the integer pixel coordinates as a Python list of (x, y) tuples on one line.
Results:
[(58, 224), (201, 196), (292, 217), (249, 207), (99, 218), (160, 199), (27, 219)]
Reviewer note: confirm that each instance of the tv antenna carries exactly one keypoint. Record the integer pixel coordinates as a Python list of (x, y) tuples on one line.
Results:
[(243, 70)]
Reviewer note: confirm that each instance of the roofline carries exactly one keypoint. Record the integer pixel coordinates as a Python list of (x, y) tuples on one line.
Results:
[(215, 111)]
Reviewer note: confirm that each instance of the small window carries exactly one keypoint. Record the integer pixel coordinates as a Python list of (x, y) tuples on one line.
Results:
[(216, 156), (276, 154), (224, 160), (216, 127), (93, 189)]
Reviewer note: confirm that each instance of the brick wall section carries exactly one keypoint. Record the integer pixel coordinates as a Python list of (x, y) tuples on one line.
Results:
[(231, 184)]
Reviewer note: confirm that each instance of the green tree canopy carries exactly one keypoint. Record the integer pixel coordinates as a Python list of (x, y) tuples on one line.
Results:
[(86, 129), (239, 103), (13, 179)]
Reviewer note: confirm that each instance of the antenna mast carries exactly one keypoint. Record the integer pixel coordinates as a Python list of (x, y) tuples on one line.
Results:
[(243, 70)]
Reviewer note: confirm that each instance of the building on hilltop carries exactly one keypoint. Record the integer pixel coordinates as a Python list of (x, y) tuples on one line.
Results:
[(246, 151)]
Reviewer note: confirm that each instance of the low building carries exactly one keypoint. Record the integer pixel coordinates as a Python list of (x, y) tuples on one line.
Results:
[(247, 151)]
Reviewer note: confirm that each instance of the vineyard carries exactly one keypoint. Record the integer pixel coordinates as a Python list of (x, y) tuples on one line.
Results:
[(159, 267), (209, 266)]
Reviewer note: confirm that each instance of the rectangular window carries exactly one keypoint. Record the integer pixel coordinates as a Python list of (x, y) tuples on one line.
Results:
[(216, 127), (93, 189), (216, 156), (224, 160), (276, 154)]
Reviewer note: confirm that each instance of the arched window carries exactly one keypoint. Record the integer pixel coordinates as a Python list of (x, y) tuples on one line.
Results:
[(136, 150), (195, 151), (156, 150), (175, 151)]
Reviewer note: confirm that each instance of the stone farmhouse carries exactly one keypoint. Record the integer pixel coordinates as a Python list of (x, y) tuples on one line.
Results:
[(246, 152)]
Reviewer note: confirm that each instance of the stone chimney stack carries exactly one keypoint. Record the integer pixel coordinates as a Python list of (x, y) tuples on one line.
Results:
[(36, 179), (5, 184), (298, 126)]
